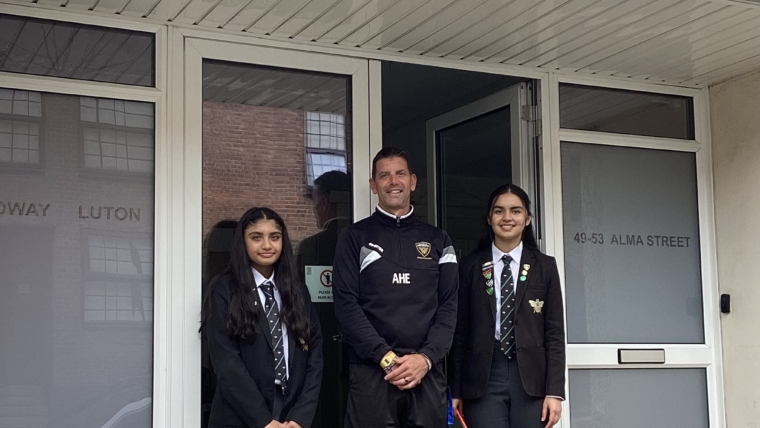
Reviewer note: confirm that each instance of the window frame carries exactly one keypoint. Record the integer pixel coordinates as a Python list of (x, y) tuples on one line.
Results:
[(100, 173), (22, 168), (89, 276)]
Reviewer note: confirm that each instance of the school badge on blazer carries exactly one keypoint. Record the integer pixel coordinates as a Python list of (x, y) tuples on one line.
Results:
[(424, 249), (537, 305), (488, 275)]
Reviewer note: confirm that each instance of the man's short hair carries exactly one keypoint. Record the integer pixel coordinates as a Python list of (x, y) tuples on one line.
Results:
[(333, 181), (389, 152)]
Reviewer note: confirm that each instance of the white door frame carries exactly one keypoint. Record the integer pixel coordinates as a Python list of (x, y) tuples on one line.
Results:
[(513, 97)]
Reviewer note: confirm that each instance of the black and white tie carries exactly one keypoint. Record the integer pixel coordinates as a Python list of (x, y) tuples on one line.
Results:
[(507, 337), (275, 328)]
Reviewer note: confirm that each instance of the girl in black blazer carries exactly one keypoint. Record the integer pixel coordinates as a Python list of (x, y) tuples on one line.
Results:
[(263, 334), (508, 355)]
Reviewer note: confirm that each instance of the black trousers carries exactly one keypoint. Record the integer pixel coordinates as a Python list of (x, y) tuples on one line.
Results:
[(374, 403), (505, 403)]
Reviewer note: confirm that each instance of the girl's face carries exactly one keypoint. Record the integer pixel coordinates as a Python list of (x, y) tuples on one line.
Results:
[(263, 243), (508, 218)]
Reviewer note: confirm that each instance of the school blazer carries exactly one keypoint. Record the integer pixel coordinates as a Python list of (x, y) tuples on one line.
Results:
[(245, 371), (539, 336)]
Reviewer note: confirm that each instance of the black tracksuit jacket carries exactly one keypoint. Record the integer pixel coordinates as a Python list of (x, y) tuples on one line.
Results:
[(395, 286)]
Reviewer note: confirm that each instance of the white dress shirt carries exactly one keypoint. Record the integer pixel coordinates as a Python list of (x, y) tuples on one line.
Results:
[(259, 279), (498, 267)]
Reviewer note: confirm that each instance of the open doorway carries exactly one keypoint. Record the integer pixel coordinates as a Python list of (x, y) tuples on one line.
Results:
[(465, 133)]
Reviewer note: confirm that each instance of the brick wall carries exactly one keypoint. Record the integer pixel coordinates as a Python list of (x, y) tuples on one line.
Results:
[(255, 156)]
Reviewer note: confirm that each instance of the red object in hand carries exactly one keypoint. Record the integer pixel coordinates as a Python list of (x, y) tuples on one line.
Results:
[(461, 419)]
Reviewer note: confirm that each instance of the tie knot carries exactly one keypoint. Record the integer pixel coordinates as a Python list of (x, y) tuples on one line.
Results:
[(268, 288), (507, 259)]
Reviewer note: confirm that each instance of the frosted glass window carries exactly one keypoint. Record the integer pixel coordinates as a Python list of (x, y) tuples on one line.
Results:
[(23, 103), (118, 301), (117, 112), (19, 141), (118, 255), (117, 135), (632, 249), (625, 398), (76, 274), (20, 123)]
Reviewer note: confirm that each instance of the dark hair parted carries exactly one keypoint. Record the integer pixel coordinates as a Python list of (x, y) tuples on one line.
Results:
[(243, 315), (389, 152), (486, 235)]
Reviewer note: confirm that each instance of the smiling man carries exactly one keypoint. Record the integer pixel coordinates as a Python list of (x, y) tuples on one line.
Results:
[(395, 289)]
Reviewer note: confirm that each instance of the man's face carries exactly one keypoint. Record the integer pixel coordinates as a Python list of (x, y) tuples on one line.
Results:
[(393, 184)]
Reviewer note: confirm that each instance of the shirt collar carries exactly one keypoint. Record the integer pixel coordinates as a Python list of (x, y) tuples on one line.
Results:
[(516, 253), (394, 216), (259, 278)]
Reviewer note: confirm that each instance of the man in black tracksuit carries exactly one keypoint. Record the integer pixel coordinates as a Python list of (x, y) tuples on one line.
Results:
[(395, 289)]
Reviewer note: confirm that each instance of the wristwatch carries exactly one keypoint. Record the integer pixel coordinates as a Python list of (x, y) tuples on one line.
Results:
[(388, 361)]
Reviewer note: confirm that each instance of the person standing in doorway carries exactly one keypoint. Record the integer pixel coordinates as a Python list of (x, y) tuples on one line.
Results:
[(395, 290), (331, 197), (263, 335), (508, 356)]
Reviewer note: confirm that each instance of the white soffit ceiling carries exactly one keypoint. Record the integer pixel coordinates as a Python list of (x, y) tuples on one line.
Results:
[(680, 42)]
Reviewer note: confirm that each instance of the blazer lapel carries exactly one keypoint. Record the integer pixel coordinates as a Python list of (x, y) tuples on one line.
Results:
[(528, 259), (486, 280)]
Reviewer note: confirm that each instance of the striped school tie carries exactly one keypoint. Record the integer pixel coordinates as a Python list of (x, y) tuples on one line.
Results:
[(507, 337), (275, 328)]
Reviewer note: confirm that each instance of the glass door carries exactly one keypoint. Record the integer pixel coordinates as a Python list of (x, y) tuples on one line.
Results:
[(642, 331), (287, 131), (474, 149)]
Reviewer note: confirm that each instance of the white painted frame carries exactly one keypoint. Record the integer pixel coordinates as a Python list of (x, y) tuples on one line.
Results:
[(513, 97), (186, 339), (604, 356)]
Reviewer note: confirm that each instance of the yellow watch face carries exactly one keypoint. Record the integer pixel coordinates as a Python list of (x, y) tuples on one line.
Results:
[(387, 360)]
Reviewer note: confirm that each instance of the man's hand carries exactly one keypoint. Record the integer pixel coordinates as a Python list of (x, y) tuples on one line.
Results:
[(552, 411), (456, 403), (291, 424), (274, 424), (408, 371)]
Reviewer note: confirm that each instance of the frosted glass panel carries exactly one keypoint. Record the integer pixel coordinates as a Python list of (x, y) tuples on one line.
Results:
[(76, 274), (652, 398), (631, 231)]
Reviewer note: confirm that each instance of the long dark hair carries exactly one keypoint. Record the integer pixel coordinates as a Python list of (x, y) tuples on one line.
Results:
[(243, 315), (486, 235)]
